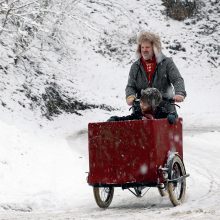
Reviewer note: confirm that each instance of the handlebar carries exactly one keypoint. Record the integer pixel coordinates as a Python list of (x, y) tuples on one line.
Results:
[(171, 100), (136, 104)]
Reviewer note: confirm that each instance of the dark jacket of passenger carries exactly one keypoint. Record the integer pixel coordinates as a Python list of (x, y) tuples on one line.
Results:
[(164, 110)]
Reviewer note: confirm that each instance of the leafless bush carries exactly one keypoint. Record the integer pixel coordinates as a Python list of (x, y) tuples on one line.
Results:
[(180, 9), (20, 20)]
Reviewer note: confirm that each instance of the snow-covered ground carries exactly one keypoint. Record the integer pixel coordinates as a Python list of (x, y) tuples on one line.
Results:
[(43, 176), (43, 163)]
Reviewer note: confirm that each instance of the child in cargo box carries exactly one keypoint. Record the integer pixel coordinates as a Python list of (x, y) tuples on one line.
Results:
[(150, 106)]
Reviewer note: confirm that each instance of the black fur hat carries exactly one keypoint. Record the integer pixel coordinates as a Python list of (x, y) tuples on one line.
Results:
[(152, 96)]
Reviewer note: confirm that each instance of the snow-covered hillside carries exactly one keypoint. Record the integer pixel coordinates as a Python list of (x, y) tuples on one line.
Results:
[(60, 53), (79, 53)]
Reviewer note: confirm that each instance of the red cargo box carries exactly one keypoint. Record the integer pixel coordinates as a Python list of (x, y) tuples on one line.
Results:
[(130, 152)]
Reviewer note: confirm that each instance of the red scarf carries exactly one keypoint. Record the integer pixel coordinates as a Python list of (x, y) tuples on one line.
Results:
[(149, 67)]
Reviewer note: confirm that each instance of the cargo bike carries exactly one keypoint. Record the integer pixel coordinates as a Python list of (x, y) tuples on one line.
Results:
[(134, 155)]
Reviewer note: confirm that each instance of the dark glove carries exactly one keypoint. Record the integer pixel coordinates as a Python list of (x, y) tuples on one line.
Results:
[(113, 118), (136, 109), (171, 118)]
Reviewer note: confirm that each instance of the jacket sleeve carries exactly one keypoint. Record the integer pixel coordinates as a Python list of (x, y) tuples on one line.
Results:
[(129, 117), (131, 85), (175, 78), (125, 118)]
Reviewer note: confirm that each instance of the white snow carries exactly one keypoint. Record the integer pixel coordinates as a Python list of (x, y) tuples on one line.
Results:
[(43, 163)]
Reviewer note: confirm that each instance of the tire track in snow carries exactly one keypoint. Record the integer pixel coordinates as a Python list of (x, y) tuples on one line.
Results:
[(202, 162)]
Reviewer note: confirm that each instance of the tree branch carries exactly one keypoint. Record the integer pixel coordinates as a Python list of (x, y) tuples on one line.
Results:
[(25, 5), (5, 21)]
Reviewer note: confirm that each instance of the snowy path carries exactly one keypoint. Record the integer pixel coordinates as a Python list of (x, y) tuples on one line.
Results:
[(201, 150), (43, 176)]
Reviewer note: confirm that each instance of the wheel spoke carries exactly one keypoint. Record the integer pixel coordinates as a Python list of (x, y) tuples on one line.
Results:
[(104, 193), (176, 175)]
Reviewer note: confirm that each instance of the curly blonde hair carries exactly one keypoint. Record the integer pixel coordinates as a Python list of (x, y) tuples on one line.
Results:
[(153, 38)]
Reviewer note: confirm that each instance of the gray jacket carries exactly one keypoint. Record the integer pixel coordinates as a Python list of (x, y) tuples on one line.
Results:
[(166, 79)]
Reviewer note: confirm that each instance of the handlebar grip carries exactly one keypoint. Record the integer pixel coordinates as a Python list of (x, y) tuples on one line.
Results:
[(171, 100)]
